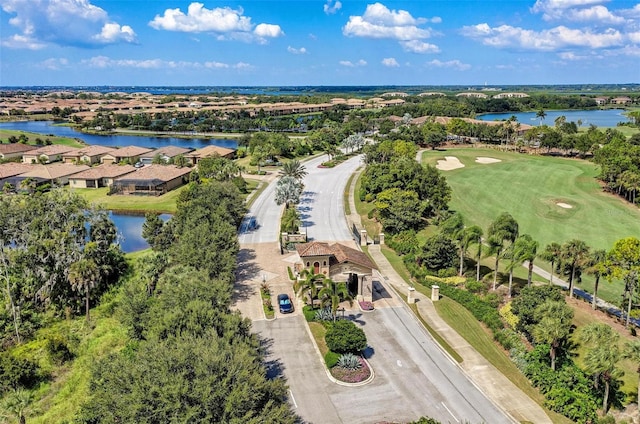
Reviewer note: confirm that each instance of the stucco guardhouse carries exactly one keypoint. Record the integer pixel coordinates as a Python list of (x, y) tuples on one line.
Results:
[(340, 263)]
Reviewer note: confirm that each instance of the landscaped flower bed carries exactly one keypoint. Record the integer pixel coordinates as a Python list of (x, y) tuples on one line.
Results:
[(352, 376), (366, 305)]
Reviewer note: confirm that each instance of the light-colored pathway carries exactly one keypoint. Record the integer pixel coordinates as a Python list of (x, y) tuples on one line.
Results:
[(491, 381)]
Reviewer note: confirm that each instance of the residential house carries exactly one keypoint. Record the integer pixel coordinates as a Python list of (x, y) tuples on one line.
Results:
[(89, 155), (152, 180), (623, 100), (474, 95), (99, 176), (511, 96), (47, 154), (129, 154), (166, 154), (56, 174), (340, 263), (12, 169), (195, 156), (600, 101), (14, 150)]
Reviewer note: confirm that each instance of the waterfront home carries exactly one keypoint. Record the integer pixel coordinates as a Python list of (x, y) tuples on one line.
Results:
[(129, 154), (14, 150), (12, 169), (166, 154), (47, 154), (152, 180), (99, 176), (195, 156), (89, 155), (56, 174)]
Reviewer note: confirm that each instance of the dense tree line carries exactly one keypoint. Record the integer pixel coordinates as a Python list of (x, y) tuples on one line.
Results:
[(190, 358)]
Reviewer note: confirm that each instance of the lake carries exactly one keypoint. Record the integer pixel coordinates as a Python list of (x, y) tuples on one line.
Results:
[(130, 230), (599, 118), (48, 127)]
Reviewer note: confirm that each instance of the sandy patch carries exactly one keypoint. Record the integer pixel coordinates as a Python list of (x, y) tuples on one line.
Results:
[(485, 161), (449, 163), (564, 205)]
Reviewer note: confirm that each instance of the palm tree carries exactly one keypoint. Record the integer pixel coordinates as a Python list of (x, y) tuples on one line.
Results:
[(501, 231), (16, 404), (603, 356), (551, 253), (83, 276), (554, 326), (309, 285), (333, 292), (598, 266), (541, 114), (525, 250), (474, 234), (632, 351), (294, 169), (288, 191), (574, 252)]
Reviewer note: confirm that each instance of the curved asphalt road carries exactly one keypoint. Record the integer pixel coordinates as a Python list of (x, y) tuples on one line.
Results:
[(413, 376)]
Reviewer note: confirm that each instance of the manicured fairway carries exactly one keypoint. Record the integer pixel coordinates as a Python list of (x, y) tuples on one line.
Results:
[(529, 188)]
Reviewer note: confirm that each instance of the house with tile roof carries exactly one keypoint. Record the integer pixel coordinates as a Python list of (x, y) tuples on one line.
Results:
[(56, 174), (166, 154), (47, 154), (14, 150), (340, 263), (195, 156), (129, 154), (89, 155), (12, 169), (152, 180), (99, 176)]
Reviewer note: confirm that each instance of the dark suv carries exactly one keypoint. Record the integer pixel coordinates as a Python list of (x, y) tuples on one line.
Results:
[(284, 304)]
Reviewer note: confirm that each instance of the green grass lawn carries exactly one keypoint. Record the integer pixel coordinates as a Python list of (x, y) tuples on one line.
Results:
[(165, 203), (34, 138)]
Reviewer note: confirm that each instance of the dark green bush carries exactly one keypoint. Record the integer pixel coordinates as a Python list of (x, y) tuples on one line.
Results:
[(404, 242), (344, 336), (481, 309), (58, 349), (309, 313), (18, 373), (331, 359)]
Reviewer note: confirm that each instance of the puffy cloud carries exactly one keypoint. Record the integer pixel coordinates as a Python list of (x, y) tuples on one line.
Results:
[(596, 13), (417, 46), (506, 36), (293, 50), (63, 22), (330, 7), (390, 62), (226, 22), (453, 64), (378, 21), (576, 11), (54, 64), (350, 64), (554, 9)]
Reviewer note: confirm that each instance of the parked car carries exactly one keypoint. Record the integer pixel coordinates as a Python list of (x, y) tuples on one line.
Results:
[(284, 304)]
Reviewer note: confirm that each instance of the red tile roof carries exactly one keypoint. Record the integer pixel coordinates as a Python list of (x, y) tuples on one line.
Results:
[(210, 151), (157, 172), (54, 170), (6, 149), (128, 152), (12, 169), (341, 253), (106, 170)]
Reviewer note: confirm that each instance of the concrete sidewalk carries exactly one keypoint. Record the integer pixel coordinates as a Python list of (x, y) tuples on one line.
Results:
[(484, 375)]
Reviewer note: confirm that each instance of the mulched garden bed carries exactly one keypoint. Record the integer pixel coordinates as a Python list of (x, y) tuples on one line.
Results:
[(348, 376)]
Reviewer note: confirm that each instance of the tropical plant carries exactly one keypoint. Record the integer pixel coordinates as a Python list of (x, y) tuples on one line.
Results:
[(332, 293), (632, 352), (344, 336), (502, 233), (598, 265), (551, 253), (288, 191), (349, 361), (308, 285), (83, 277), (323, 314), (553, 327), (574, 253), (541, 114), (625, 264), (525, 250), (293, 168), (16, 404)]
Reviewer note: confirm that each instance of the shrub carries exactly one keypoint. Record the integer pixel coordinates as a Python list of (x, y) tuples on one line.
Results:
[(481, 309), (475, 286), (58, 349), (309, 313), (18, 373), (349, 361), (509, 339), (323, 315), (344, 336), (403, 242), (509, 317), (331, 359), (290, 272)]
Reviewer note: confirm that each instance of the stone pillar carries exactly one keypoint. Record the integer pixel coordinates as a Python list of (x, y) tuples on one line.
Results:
[(411, 295), (381, 239), (363, 237), (435, 293)]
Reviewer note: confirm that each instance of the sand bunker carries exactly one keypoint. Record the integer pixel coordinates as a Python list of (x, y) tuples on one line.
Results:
[(449, 163), (485, 161), (564, 205)]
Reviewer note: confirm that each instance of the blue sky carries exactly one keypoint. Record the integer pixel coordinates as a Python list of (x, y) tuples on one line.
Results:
[(318, 42)]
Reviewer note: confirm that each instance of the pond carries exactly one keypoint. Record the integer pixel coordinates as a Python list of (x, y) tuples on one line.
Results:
[(599, 118), (48, 127), (130, 230)]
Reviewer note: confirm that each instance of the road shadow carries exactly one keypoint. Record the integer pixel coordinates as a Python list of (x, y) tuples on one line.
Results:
[(246, 270), (379, 292), (274, 367)]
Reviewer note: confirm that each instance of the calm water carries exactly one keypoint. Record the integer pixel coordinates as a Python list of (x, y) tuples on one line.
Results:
[(599, 118), (130, 230), (47, 127)]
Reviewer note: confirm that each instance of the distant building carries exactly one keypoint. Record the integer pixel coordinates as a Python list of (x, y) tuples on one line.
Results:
[(152, 180), (166, 154), (600, 101), (511, 96), (473, 95), (47, 154), (195, 156), (88, 155), (130, 154), (14, 150), (624, 100)]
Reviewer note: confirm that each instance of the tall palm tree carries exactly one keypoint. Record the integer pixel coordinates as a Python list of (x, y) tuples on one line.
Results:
[(525, 250), (632, 351), (474, 234), (294, 169), (598, 266), (16, 404), (502, 233), (541, 114), (332, 293), (551, 253), (554, 326), (603, 356), (288, 191), (470, 235), (308, 285), (575, 252), (83, 276)]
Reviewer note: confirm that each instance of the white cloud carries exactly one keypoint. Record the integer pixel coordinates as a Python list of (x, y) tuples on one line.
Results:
[(75, 23), (226, 22), (293, 50), (390, 62), (417, 46), (453, 64), (330, 7), (557, 38), (380, 22), (598, 14), (554, 9), (216, 65), (350, 64), (54, 64), (104, 62)]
